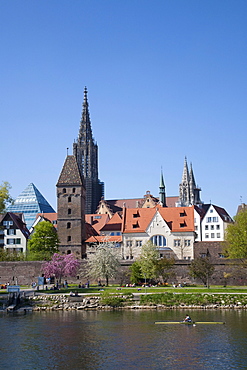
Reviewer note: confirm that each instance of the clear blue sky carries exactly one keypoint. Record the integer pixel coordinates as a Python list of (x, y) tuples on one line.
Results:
[(166, 79)]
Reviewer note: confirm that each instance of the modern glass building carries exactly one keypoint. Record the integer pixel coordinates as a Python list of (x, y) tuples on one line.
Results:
[(30, 202)]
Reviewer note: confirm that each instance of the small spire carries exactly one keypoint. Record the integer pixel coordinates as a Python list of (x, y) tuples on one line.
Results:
[(85, 93)]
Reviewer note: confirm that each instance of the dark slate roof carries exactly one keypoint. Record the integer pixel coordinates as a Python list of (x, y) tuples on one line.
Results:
[(70, 174)]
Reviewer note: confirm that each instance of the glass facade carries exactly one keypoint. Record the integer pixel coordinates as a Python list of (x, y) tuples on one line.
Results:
[(30, 202)]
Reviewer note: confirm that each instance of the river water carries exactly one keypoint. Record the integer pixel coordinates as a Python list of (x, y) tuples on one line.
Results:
[(123, 340)]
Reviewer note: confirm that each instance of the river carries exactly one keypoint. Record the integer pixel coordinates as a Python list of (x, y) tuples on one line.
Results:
[(123, 340)]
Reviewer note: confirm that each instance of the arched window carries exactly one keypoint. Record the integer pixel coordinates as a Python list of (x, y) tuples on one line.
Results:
[(158, 240), (69, 238), (69, 211), (73, 190), (64, 190), (68, 225), (68, 252), (69, 199)]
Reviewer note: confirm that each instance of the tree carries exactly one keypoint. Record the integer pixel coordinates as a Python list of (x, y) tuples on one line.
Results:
[(202, 268), (104, 263), (5, 197), (164, 268), (61, 266), (135, 272), (148, 260), (44, 242), (236, 236)]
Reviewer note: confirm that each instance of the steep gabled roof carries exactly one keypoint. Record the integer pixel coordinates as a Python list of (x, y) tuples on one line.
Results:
[(17, 220), (70, 174), (114, 224)]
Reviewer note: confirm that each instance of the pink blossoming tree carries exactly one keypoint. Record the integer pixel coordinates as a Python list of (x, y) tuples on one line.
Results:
[(60, 266)]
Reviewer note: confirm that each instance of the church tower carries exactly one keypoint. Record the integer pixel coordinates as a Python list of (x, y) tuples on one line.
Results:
[(71, 209), (162, 191), (189, 193), (86, 152)]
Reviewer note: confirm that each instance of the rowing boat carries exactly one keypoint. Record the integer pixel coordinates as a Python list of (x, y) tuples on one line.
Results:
[(189, 323)]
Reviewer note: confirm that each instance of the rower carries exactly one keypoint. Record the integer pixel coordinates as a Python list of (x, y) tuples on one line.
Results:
[(187, 318)]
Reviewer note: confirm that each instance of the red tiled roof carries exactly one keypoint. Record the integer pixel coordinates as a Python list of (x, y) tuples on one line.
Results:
[(138, 219), (105, 238), (97, 221)]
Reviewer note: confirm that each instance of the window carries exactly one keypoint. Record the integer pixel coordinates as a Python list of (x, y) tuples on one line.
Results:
[(203, 255), (64, 190), (211, 210), (11, 232), (135, 226), (183, 224), (68, 225), (69, 199), (206, 236), (69, 211), (10, 241), (212, 235), (217, 227), (215, 219), (97, 217), (206, 227), (7, 223), (129, 243), (138, 243), (187, 243), (182, 214), (158, 240), (196, 227), (73, 190), (177, 243), (220, 255), (218, 235), (69, 238), (209, 219), (18, 241), (212, 227)]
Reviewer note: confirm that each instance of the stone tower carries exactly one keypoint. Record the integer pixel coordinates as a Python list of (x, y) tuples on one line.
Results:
[(86, 152), (71, 209), (189, 193)]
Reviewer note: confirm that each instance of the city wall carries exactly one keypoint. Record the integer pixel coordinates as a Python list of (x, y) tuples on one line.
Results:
[(227, 272)]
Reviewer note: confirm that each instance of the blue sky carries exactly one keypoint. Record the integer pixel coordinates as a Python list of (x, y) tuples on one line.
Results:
[(166, 79)]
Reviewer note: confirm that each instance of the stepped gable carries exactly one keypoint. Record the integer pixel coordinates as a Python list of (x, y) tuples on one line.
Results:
[(70, 174)]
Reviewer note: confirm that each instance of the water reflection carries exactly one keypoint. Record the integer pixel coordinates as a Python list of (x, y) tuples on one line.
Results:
[(123, 340)]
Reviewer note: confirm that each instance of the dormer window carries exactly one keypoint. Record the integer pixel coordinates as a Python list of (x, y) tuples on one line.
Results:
[(135, 226)]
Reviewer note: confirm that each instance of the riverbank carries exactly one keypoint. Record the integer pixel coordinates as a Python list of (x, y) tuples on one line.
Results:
[(161, 301)]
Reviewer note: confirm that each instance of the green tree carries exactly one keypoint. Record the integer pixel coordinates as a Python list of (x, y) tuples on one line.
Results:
[(148, 260), (236, 237), (202, 268), (104, 263), (164, 268), (135, 272), (5, 197), (43, 243)]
